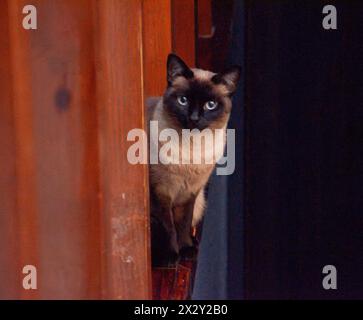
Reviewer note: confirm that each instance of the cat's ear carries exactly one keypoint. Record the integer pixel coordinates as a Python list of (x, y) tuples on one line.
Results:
[(229, 78), (176, 67)]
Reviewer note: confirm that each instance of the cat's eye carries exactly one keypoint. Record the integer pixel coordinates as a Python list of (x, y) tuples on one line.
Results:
[(183, 100), (211, 105)]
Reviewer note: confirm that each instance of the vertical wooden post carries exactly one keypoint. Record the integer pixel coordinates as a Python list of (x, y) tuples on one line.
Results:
[(124, 187), (9, 262), (53, 112), (184, 28), (25, 198), (157, 39)]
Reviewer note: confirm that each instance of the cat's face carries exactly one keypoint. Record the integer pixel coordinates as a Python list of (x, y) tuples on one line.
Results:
[(196, 98)]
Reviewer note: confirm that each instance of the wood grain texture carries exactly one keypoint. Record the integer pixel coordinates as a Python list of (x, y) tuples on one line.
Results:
[(124, 196), (71, 204), (67, 166), (25, 215), (56, 153), (183, 28), (156, 44), (9, 262), (172, 283)]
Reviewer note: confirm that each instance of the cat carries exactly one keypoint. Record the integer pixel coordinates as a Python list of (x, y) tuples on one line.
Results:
[(194, 99)]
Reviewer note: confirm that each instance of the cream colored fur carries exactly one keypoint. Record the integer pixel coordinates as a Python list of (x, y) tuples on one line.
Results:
[(179, 182)]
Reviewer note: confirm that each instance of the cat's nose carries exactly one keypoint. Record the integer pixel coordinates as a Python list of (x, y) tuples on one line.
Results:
[(194, 116)]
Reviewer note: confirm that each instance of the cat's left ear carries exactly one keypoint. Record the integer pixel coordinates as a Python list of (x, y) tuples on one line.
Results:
[(229, 78), (176, 68)]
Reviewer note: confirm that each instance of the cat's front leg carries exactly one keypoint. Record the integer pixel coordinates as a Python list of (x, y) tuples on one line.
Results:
[(187, 246), (165, 249)]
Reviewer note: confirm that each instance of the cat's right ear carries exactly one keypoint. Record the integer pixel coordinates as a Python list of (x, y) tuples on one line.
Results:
[(177, 67), (229, 78)]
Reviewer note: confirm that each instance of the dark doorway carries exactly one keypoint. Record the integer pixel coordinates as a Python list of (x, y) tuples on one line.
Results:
[(303, 150)]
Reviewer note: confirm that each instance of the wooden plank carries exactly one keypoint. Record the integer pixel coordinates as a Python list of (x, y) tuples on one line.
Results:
[(55, 124), (183, 30), (25, 215), (9, 263), (71, 204), (156, 44), (205, 21), (62, 62), (172, 283), (124, 187)]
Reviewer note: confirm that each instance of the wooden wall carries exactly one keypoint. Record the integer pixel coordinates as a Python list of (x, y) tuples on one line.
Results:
[(70, 203)]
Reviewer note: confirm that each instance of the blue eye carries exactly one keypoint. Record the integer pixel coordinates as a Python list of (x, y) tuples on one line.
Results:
[(211, 105), (183, 100)]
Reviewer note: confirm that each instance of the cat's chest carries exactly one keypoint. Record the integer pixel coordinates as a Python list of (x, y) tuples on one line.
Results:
[(180, 182), (187, 175)]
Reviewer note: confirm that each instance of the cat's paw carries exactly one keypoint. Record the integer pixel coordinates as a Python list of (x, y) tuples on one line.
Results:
[(189, 253), (168, 259)]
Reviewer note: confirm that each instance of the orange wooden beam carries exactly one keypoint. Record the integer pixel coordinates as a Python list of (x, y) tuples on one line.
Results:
[(184, 29), (126, 272)]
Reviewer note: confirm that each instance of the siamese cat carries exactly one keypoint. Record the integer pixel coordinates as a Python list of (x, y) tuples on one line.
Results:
[(194, 99)]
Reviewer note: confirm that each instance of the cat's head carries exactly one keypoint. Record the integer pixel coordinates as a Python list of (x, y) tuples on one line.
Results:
[(197, 98)]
